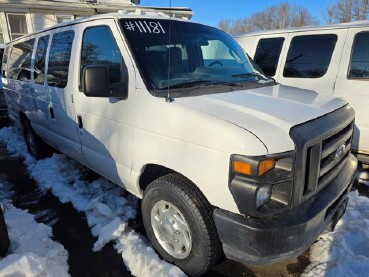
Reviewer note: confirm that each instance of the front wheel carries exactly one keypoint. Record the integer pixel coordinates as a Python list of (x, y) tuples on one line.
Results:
[(179, 223)]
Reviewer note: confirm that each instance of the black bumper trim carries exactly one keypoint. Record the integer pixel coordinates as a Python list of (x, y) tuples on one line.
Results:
[(269, 240)]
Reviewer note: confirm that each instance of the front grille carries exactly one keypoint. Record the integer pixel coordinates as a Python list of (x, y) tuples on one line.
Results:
[(329, 163), (318, 160), (322, 162)]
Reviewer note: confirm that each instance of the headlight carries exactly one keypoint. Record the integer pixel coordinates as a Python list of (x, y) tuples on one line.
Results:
[(263, 194), (262, 185)]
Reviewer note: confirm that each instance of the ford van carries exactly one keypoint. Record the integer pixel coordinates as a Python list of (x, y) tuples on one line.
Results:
[(225, 159)]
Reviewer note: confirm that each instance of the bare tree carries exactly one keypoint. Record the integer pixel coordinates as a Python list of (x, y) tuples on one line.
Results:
[(346, 11), (274, 17), (225, 25)]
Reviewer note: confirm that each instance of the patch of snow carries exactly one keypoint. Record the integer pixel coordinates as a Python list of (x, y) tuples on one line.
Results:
[(107, 206), (345, 252), (142, 259), (32, 252)]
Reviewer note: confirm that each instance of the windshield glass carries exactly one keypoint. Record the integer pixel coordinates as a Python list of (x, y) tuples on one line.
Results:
[(193, 55)]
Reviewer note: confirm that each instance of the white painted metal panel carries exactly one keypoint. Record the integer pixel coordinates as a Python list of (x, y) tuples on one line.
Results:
[(356, 92)]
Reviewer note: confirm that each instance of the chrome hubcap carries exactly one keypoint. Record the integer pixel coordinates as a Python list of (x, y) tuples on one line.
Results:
[(171, 229)]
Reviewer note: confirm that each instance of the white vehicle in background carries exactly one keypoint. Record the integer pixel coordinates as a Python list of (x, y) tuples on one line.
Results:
[(332, 60), (3, 107), (223, 158)]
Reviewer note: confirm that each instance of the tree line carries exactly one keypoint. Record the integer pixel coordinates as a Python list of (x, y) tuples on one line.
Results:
[(285, 15)]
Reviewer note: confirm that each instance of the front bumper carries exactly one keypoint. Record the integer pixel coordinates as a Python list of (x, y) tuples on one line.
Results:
[(286, 235)]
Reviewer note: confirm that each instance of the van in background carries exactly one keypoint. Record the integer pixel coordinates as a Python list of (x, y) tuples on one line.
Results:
[(332, 59), (3, 107)]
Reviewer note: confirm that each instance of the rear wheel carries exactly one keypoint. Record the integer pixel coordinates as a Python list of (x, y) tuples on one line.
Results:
[(35, 145), (179, 223)]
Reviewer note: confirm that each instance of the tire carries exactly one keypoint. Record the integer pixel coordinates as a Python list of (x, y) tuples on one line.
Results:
[(35, 145), (4, 237), (175, 194)]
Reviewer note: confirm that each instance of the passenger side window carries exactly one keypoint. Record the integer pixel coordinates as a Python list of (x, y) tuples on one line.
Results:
[(359, 67), (4, 69), (59, 58), (267, 54), (215, 52), (40, 59), (309, 56), (19, 66), (100, 48)]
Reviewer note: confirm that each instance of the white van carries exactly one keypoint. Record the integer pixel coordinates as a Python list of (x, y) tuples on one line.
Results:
[(331, 59), (223, 158)]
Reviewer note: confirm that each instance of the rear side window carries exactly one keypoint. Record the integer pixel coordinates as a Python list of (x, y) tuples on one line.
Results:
[(100, 48), (2, 50), (267, 54), (4, 65), (19, 64), (309, 56), (359, 68), (59, 58), (40, 58)]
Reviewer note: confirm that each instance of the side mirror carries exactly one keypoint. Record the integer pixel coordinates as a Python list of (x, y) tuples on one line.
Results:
[(95, 83)]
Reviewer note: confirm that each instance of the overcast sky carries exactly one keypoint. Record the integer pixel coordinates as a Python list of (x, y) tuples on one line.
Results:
[(212, 11)]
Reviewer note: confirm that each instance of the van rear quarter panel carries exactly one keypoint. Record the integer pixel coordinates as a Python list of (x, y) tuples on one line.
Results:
[(356, 92), (247, 43)]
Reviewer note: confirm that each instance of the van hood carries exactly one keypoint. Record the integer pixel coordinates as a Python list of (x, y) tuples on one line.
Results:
[(268, 112)]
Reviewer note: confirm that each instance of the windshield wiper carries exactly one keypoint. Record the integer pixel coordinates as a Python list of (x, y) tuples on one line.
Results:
[(254, 74), (203, 83), (248, 74)]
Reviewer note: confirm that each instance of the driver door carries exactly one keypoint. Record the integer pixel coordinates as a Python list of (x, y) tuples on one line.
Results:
[(103, 122)]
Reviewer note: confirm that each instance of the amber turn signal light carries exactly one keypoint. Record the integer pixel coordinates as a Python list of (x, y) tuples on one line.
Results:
[(241, 167), (265, 166)]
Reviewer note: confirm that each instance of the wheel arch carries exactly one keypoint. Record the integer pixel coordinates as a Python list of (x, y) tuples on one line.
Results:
[(152, 172)]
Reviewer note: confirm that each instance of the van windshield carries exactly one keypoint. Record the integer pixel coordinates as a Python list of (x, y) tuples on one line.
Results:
[(194, 55)]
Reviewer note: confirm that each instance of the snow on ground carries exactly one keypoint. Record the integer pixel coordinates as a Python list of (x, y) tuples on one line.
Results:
[(32, 252), (345, 252), (107, 206)]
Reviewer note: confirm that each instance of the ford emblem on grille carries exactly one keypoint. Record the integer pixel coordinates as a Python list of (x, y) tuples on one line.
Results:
[(340, 151)]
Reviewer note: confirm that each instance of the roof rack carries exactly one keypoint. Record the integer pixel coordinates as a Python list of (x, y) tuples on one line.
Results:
[(141, 12)]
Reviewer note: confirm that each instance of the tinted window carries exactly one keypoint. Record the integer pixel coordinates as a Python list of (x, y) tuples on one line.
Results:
[(267, 54), (176, 55), (99, 48), (2, 50), (5, 63), (215, 53), (360, 57), (19, 65), (59, 57), (40, 58), (309, 56)]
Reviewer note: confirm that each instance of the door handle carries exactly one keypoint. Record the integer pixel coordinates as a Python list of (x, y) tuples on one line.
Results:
[(80, 122), (52, 114)]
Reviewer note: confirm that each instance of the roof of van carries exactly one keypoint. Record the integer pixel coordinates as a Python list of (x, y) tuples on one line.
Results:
[(355, 24), (120, 15)]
